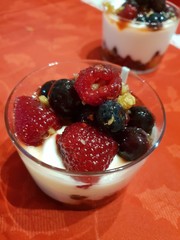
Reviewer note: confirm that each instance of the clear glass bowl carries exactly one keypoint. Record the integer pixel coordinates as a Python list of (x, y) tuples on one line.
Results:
[(133, 44), (64, 185)]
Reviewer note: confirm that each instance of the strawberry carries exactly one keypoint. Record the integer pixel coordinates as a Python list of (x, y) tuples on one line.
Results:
[(33, 120), (96, 84), (84, 148)]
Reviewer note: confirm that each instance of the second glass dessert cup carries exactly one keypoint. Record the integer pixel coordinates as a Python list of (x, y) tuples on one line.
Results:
[(132, 43), (64, 185)]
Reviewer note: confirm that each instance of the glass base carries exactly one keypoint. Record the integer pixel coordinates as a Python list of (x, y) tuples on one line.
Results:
[(135, 66)]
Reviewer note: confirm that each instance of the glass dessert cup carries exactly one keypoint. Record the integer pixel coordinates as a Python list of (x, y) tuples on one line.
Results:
[(131, 43), (66, 186)]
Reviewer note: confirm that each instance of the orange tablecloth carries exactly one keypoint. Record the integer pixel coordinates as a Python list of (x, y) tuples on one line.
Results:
[(34, 33)]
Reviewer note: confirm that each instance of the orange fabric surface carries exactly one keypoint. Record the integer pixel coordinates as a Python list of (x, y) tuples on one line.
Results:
[(32, 34)]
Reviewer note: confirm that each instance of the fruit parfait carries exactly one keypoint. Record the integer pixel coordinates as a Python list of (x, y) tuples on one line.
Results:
[(136, 33), (83, 129)]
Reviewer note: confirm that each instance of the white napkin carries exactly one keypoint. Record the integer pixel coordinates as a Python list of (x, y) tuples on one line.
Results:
[(175, 41)]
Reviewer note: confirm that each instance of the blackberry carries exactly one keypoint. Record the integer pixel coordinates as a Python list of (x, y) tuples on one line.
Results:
[(158, 5), (133, 142), (64, 99), (111, 116), (142, 2), (141, 117), (44, 90)]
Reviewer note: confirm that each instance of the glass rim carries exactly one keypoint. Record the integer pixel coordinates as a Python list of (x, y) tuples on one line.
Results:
[(35, 160)]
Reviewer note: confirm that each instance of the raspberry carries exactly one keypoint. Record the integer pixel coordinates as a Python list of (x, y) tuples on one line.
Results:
[(129, 11), (33, 120), (84, 148), (98, 84)]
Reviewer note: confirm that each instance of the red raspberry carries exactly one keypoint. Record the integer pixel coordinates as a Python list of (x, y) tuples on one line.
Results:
[(97, 84), (129, 11), (84, 148), (32, 120)]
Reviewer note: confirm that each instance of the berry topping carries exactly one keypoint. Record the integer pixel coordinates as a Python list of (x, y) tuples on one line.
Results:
[(84, 148), (150, 12), (133, 3), (155, 20), (63, 98), (111, 116), (158, 5), (141, 117), (133, 143), (128, 11), (141, 17), (98, 84), (44, 90), (87, 115), (33, 121), (143, 2)]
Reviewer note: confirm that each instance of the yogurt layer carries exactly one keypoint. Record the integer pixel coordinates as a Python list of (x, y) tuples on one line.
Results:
[(66, 188), (136, 40)]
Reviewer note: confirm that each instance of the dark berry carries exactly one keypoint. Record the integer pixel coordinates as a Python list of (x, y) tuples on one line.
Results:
[(133, 3), (162, 17), (141, 17), (154, 21), (141, 117), (133, 143), (158, 5), (143, 2), (64, 99), (44, 90), (111, 116), (87, 114)]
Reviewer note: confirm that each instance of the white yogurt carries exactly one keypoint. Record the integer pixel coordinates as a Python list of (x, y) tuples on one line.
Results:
[(61, 186)]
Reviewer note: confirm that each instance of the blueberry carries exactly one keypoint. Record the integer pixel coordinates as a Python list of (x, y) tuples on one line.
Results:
[(141, 117), (133, 143), (64, 99), (141, 17), (162, 17), (111, 116), (46, 87), (154, 21)]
